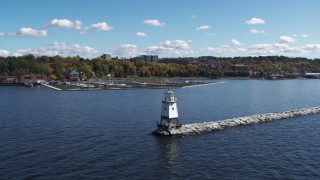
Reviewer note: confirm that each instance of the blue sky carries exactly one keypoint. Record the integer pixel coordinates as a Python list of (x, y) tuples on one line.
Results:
[(168, 28)]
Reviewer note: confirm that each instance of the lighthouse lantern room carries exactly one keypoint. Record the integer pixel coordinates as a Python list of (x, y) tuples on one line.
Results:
[(169, 111)]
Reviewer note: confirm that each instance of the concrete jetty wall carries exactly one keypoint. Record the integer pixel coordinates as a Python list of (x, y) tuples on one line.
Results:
[(198, 128)]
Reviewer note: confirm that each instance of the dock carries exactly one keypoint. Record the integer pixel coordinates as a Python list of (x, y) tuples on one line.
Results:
[(55, 88), (190, 86), (205, 127)]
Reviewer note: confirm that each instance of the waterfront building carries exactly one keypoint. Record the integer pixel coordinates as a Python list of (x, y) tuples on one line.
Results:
[(312, 75), (8, 79), (145, 58), (34, 78), (73, 76)]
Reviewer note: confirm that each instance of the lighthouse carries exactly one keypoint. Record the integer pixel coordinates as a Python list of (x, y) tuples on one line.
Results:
[(169, 111)]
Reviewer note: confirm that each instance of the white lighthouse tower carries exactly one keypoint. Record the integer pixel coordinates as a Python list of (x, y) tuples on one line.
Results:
[(169, 111)]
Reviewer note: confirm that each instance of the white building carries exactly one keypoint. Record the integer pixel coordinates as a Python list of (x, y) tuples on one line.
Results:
[(169, 111)]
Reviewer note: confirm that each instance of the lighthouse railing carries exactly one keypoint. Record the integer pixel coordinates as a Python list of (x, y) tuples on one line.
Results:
[(172, 99)]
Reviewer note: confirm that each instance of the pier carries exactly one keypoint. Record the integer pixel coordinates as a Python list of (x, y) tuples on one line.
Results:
[(52, 87), (197, 85), (199, 128)]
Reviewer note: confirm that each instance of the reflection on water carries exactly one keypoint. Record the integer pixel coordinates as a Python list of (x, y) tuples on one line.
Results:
[(170, 150)]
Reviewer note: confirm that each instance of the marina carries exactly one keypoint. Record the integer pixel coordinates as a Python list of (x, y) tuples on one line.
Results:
[(116, 84), (127, 84)]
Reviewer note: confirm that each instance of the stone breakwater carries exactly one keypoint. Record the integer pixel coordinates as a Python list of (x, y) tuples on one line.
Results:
[(198, 128)]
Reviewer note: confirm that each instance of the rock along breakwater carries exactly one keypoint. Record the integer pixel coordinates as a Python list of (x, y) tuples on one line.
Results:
[(198, 128)]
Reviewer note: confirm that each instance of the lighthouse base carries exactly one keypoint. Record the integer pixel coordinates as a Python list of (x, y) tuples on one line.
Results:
[(167, 131)]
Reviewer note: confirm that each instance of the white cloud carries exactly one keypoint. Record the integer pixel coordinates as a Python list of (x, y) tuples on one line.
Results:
[(126, 50), (311, 48), (64, 23), (241, 49), (77, 24), (234, 42), (141, 34), (26, 32), (4, 53), (211, 34), (255, 31), (305, 35), (153, 22), (266, 49), (275, 49), (101, 26), (285, 39), (61, 49), (31, 32), (262, 49), (1, 34), (229, 48), (225, 49), (176, 44), (205, 27), (280, 48), (255, 21), (175, 47), (83, 32)]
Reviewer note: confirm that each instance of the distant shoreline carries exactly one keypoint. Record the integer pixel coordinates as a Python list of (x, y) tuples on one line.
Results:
[(156, 83)]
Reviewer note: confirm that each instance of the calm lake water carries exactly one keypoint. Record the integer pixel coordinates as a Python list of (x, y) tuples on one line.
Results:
[(47, 134)]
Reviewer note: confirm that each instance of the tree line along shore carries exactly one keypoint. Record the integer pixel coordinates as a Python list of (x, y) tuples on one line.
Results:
[(56, 67)]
